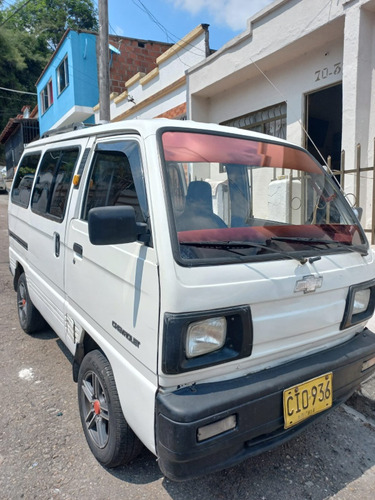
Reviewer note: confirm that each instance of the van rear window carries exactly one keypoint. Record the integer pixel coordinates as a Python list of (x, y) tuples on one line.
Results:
[(53, 182), (23, 182)]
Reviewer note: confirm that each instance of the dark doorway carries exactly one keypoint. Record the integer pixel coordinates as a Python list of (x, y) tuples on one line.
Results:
[(324, 124)]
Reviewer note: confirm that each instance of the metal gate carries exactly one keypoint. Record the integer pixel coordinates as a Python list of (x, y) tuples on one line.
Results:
[(364, 177)]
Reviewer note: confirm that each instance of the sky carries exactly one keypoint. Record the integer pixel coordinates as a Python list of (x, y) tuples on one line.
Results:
[(170, 20)]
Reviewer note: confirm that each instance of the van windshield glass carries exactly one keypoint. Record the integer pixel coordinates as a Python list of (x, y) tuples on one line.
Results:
[(235, 198)]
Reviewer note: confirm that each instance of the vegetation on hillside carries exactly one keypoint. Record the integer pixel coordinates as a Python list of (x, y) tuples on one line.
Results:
[(29, 33)]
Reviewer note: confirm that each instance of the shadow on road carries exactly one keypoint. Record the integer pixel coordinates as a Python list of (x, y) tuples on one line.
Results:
[(316, 465), (49, 334), (45, 334), (142, 470)]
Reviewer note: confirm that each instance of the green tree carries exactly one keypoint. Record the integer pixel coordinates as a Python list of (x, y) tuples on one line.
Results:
[(21, 62), (29, 33), (49, 19)]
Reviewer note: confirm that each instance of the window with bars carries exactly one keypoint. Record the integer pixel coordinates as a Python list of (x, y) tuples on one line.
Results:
[(270, 120)]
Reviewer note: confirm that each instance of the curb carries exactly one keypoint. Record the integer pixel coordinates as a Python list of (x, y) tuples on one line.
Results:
[(363, 400), (362, 404)]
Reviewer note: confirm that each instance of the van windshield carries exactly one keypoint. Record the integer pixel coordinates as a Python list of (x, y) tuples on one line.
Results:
[(236, 199)]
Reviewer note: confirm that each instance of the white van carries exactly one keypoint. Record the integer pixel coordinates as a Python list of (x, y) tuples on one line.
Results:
[(212, 284)]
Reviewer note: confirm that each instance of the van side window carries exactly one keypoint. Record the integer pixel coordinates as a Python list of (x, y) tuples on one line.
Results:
[(24, 179), (53, 183), (117, 179)]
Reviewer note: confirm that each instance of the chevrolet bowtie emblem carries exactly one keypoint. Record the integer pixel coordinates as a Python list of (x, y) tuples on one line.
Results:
[(308, 284)]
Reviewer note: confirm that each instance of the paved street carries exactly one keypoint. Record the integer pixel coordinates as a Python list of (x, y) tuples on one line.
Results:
[(43, 452)]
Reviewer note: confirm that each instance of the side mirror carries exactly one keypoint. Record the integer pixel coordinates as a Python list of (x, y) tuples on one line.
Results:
[(115, 225)]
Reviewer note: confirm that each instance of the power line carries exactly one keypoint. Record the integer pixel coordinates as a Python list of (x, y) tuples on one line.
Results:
[(15, 12), (169, 34), (9, 4), (18, 91), (275, 87), (109, 24)]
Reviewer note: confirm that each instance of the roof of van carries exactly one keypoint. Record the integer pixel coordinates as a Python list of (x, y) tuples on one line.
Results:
[(144, 128)]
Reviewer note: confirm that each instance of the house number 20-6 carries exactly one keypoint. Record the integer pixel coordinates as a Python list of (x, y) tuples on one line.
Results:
[(322, 74)]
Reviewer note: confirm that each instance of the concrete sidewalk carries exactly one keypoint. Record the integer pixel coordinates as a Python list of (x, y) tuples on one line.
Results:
[(368, 387), (363, 400)]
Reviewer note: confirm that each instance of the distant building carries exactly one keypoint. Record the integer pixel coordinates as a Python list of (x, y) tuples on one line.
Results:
[(18, 132), (68, 86)]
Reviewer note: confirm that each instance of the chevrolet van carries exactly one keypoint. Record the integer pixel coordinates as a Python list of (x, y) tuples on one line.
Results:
[(212, 284)]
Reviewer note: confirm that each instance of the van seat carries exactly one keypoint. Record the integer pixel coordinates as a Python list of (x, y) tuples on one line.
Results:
[(198, 212)]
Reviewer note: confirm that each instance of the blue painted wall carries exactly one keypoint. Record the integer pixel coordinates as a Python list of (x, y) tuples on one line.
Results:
[(82, 89)]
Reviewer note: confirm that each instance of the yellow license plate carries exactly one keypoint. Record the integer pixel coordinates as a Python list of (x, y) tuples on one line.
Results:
[(305, 400)]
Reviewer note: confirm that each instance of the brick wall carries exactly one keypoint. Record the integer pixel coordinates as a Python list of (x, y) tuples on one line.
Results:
[(177, 112), (136, 56)]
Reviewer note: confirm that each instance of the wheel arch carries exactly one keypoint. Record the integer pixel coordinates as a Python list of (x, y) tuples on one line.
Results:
[(86, 345), (136, 389), (17, 273), (116, 444)]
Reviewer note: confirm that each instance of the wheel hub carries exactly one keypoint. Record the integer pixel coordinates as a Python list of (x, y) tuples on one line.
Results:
[(96, 406)]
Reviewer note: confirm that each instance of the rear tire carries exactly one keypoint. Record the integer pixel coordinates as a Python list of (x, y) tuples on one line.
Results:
[(108, 435), (29, 317)]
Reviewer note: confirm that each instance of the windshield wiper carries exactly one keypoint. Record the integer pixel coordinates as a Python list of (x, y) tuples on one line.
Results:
[(320, 241), (231, 245)]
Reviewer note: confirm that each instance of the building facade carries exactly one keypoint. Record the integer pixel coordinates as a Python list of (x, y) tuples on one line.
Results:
[(18, 132), (68, 86), (303, 71), (162, 90)]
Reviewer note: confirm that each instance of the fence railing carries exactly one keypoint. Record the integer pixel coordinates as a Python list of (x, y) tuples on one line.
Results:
[(358, 171)]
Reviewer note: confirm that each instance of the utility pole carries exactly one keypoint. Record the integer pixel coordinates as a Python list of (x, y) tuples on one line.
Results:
[(103, 62)]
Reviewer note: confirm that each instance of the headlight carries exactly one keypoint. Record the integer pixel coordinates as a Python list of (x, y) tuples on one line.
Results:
[(361, 301), (360, 304), (195, 340), (205, 336)]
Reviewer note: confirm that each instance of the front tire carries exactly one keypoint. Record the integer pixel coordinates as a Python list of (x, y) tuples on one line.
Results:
[(29, 317), (108, 435)]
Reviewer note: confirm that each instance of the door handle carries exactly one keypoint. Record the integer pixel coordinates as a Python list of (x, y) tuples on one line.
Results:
[(78, 249), (57, 244)]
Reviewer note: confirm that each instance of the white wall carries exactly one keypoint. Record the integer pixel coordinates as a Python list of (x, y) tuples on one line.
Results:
[(359, 104), (150, 89), (292, 80), (272, 31)]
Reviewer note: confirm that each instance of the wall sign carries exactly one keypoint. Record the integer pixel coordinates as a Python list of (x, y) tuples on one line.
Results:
[(322, 74)]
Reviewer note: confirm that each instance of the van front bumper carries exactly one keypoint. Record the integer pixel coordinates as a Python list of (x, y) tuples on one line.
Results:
[(257, 402)]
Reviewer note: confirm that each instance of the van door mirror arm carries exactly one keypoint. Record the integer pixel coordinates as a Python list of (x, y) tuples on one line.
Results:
[(358, 211), (144, 234)]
